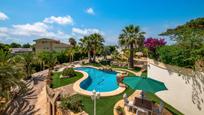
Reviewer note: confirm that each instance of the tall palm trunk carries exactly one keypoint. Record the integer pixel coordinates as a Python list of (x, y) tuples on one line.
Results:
[(94, 56), (131, 57), (89, 56), (28, 71), (70, 58)]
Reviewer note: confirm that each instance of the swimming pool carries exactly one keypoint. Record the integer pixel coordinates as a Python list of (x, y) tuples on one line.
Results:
[(98, 80)]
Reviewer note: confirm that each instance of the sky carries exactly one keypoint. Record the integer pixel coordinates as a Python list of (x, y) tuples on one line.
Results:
[(23, 21)]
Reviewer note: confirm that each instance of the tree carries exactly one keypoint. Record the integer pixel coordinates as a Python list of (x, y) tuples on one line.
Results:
[(131, 38), (97, 44), (72, 42), (5, 47), (62, 57), (189, 35), (92, 44), (27, 59), (86, 44), (49, 59), (15, 45), (112, 48), (71, 53), (176, 56), (106, 51), (10, 76), (190, 38), (152, 44), (26, 45)]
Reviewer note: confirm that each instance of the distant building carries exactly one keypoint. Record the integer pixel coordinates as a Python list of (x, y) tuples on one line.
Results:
[(20, 50), (45, 44)]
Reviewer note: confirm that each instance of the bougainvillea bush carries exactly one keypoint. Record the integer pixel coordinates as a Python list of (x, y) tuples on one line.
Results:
[(152, 44)]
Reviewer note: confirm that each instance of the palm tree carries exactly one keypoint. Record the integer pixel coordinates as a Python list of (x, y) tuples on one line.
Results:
[(86, 45), (50, 59), (97, 44), (5, 58), (27, 59), (105, 51), (131, 38), (10, 76), (71, 53), (92, 44), (72, 42)]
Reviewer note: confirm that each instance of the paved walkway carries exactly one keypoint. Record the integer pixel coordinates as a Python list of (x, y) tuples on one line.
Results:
[(121, 103), (31, 101), (139, 73), (66, 90)]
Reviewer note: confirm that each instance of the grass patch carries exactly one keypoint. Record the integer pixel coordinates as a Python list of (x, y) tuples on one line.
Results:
[(135, 69), (144, 74), (58, 82), (156, 99), (104, 105)]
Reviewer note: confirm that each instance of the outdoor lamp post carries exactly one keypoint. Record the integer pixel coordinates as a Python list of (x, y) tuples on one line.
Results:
[(95, 95)]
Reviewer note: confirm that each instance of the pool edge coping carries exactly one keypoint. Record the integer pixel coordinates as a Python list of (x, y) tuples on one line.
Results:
[(81, 91)]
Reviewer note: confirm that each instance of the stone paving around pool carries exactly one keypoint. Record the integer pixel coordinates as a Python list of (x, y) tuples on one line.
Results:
[(65, 90)]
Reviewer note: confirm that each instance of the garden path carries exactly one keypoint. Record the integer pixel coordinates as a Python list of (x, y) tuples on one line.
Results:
[(27, 103)]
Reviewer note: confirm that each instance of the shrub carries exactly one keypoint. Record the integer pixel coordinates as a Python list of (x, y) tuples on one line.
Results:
[(120, 110), (105, 62), (62, 57), (69, 72), (176, 56), (72, 103), (151, 44)]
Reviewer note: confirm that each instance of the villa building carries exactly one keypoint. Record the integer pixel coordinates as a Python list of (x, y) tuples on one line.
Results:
[(20, 50), (45, 44)]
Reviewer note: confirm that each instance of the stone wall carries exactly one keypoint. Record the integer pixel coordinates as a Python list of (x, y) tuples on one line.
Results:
[(185, 87)]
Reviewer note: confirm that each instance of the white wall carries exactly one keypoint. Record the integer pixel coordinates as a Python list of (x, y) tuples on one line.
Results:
[(185, 90)]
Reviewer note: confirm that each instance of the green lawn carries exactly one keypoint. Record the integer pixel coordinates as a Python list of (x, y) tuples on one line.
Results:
[(144, 74), (58, 82), (104, 105)]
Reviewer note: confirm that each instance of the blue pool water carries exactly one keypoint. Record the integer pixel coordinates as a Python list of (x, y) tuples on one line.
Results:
[(98, 80)]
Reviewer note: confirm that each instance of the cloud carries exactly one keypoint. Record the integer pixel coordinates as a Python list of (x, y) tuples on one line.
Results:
[(37, 28), (90, 11), (3, 16), (86, 31), (3, 32), (28, 32), (59, 20)]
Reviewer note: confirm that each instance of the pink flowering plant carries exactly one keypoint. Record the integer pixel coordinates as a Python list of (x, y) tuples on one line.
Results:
[(152, 43)]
